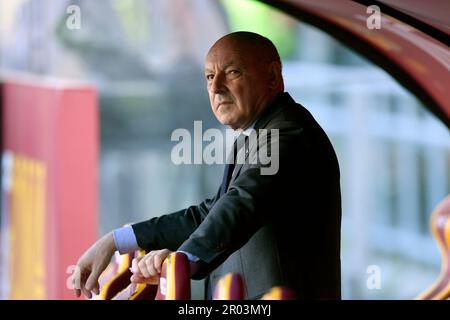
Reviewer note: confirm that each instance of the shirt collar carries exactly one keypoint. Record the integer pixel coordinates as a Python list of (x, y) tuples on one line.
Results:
[(245, 132)]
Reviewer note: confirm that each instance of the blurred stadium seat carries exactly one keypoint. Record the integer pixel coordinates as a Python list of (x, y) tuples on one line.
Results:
[(229, 287), (279, 293), (440, 228)]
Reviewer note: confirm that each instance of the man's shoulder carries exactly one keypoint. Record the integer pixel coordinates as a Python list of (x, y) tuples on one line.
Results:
[(288, 113), (293, 119)]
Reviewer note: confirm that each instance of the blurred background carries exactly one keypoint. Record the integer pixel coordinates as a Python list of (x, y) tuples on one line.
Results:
[(145, 60)]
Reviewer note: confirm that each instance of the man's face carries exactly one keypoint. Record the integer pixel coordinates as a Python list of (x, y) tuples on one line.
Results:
[(237, 83)]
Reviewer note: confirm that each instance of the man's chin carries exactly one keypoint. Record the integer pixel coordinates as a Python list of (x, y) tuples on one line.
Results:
[(226, 120), (228, 123)]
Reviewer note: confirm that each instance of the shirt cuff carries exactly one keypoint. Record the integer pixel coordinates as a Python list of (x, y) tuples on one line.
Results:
[(190, 256), (125, 240)]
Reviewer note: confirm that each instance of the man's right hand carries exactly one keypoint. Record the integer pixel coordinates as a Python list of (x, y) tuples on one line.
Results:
[(91, 264)]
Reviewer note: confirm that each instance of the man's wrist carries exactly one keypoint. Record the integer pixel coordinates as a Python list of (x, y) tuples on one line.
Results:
[(109, 242)]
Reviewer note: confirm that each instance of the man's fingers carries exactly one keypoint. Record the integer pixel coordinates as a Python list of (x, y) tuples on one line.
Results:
[(150, 264), (159, 258), (96, 289), (134, 265), (76, 278), (92, 281), (139, 279), (157, 263), (81, 286), (143, 268), (87, 293), (78, 281)]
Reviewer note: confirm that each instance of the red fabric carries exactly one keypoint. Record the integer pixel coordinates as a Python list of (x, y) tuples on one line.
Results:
[(57, 127)]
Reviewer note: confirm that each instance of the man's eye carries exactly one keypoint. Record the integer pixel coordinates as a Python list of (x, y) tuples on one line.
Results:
[(209, 76), (234, 73)]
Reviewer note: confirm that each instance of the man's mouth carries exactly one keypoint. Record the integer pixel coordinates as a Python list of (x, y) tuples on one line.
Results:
[(223, 103)]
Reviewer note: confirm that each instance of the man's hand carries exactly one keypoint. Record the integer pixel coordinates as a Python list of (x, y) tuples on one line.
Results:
[(147, 269), (91, 264)]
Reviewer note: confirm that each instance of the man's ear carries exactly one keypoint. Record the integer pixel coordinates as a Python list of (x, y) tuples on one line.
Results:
[(274, 74)]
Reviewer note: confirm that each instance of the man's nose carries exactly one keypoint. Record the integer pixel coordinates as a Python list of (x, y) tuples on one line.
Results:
[(217, 84)]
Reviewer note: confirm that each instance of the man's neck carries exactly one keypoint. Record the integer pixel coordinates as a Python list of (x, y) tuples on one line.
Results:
[(252, 124)]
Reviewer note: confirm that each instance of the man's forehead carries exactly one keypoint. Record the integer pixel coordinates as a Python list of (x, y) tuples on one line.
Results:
[(226, 58)]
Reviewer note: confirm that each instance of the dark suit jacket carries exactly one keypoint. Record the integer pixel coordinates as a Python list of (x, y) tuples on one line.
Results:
[(281, 229)]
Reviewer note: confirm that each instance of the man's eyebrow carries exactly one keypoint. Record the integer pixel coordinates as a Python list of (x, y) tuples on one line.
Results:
[(229, 64)]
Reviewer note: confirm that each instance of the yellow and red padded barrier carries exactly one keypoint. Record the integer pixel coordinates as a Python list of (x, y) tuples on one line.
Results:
[(137, 291), (175, 280), (143, 291), (111, 283), (279, 293), (440, 228), (229, 287)]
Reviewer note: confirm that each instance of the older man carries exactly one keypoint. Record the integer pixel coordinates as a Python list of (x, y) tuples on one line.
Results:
[(273, 229)]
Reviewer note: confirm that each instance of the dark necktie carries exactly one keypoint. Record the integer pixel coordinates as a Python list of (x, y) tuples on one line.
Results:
[(229, 166)]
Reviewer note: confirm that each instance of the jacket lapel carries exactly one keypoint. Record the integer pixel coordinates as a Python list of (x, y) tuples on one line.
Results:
[(238, 167), (269, 114)]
